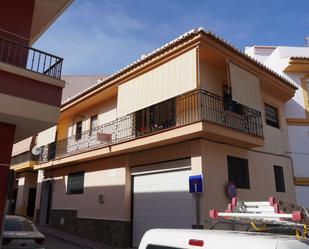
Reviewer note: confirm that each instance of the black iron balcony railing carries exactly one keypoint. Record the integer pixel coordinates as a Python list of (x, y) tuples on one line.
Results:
[(30, 58), (195, 106), (21, 158)]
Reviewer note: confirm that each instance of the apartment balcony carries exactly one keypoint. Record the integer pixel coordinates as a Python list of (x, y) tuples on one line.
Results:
[(30, 58), (24, 161), (223, 120), (30, 88)]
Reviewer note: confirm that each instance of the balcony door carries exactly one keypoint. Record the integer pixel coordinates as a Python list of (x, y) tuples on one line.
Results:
[(155, 118)]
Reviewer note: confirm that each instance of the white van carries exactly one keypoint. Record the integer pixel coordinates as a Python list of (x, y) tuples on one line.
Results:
[(218, 239)]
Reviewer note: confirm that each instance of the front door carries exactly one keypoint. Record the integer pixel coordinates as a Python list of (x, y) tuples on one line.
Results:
[(45, 202)]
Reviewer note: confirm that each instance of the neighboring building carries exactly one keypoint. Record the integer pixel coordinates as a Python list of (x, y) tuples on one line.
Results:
[(23, 160), (125, 148), (30, 84), (293, 64)]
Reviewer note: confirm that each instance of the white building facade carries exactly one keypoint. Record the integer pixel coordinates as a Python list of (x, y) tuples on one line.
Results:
[(293, 64)]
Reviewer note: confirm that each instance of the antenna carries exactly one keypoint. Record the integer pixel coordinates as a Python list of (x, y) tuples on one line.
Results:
[(307, 40)]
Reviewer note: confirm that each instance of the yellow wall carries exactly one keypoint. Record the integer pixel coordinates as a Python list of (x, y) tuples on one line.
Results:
[(62, 128)]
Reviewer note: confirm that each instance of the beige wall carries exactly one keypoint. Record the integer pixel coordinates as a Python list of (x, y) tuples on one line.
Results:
[(26, 180), (212, 79), (163, 82), (106, 112), (261, 175), (102, 177), (210, 159), (275, 140), (111, 177)]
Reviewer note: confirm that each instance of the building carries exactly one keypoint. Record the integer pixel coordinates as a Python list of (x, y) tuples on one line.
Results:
[(126, 147), (22, 162), (293, 64), (30, 84)]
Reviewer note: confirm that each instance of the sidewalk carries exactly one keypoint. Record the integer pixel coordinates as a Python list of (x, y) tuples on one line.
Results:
[(73, 239)]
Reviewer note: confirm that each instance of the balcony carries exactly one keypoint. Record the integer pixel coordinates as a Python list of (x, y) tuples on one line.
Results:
[(197, 106), (29, 58), (21, 158)]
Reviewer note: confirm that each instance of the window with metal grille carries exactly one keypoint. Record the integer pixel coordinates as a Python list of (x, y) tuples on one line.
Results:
[(238, 172), (75, 183), (271, 115), (78, 133), (279, 178)]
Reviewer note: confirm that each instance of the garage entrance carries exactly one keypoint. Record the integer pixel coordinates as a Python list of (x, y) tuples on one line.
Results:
[(161, 197)]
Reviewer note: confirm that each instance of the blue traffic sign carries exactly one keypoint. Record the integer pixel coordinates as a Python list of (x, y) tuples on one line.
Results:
[(196, 184)]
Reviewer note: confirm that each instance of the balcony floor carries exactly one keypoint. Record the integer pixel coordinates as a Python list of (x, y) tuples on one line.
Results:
[(213, 132)]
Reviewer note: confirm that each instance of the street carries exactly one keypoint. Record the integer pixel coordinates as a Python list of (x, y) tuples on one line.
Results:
[(54, 243)]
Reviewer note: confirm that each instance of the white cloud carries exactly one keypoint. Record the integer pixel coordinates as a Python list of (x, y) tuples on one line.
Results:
[(95, 40)]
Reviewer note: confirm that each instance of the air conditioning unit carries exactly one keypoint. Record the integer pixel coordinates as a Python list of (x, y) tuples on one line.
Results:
[(104, 137)]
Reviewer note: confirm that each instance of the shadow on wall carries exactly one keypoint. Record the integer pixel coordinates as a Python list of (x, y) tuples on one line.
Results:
[(99, 214), (294, 109)]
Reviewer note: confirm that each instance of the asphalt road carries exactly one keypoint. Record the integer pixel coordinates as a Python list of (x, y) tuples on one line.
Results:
[(55, 243)]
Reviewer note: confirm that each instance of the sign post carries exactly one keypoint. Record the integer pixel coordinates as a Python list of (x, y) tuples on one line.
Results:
[(196, 188)]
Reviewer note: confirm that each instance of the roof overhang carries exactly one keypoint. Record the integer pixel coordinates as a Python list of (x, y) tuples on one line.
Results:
[(190, 39), (44, 14), (298, 64)]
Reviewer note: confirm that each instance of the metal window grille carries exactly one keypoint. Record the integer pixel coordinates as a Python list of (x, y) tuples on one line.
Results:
[(76, 183)]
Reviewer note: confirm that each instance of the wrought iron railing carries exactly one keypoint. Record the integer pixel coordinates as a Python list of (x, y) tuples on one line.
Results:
[(30, 58), (189, 108)]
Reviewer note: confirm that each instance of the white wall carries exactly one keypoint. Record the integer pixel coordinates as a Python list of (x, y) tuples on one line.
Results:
[(298, 136), (299, 145), (302, 195)]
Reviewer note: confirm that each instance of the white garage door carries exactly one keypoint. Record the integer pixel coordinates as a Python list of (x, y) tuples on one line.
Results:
[(161, 199)]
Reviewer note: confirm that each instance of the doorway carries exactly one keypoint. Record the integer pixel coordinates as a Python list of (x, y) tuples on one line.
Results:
[(31, 202), (45, 205)]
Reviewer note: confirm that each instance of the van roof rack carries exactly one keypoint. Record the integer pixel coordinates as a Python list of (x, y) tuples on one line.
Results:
[(264, 214)]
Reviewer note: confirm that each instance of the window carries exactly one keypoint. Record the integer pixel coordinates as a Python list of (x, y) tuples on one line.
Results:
[(271, 115), (93, 123), (75, 183), (14, 224), (228, 102), (238, 172), (279, 179), (78, 131)]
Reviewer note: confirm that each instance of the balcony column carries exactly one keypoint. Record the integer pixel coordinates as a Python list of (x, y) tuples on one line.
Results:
[(7, 132), (198, 161)]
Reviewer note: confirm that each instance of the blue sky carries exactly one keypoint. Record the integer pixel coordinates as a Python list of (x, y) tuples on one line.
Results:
[(102, 36)]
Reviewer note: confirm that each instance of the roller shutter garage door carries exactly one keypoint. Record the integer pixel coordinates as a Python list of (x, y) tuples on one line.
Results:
[(161, 198)]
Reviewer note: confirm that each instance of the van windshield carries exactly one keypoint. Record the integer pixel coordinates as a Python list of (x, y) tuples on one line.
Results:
[(151, 246)]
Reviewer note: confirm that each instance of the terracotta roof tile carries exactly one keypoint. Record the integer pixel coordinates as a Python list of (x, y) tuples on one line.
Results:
[(188, 35)]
